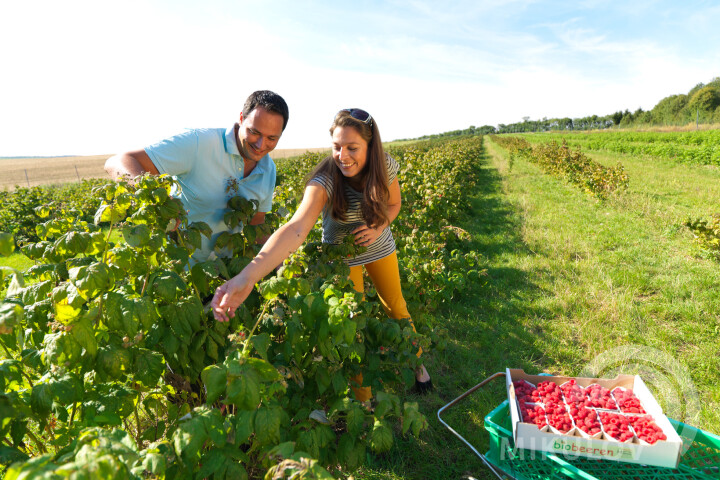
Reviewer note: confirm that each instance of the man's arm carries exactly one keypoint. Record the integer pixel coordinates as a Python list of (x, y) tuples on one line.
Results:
[(131, 163)]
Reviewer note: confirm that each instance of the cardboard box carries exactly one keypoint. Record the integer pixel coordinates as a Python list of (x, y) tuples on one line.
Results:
[(663, 453)]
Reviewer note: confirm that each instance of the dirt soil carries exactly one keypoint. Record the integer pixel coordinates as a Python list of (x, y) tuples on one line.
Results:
[(28, 172)]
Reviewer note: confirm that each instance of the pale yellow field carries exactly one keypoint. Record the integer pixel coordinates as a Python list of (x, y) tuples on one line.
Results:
[(26, 172)]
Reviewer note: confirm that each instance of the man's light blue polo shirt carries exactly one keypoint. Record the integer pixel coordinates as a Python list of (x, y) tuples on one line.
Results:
[(209, 169)]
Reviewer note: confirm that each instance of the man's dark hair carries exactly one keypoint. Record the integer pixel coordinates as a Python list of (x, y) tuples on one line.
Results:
[(270, 101)]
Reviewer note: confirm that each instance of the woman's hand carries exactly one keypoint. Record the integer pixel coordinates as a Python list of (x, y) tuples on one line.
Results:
[(229, 296), (366, 235)]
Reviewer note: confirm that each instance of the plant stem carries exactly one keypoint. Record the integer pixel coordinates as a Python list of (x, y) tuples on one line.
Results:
[(9, 354), (37, 442), (145, 282), (135, 437), (107, 242), (72, 415), (257, 322), (137, 422)]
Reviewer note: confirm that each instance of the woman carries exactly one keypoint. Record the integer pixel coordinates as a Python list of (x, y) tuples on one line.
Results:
[(357, 191)]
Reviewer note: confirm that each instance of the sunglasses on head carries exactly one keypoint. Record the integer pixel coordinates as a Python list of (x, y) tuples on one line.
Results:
[(359, 114)]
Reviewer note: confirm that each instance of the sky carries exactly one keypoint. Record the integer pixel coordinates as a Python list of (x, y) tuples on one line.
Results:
[(99, 77)]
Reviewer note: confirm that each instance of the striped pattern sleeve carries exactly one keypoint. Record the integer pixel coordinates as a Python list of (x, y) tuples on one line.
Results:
[(392, 168)]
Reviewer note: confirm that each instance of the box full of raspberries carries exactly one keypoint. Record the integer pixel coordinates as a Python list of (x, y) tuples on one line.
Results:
[(611, 419)]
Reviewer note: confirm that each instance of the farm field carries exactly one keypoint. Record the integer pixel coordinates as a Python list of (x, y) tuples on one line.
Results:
[(52, 170), (570, 283)]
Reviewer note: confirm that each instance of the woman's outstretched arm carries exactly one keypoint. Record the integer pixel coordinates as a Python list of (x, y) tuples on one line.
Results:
[(286, 239)]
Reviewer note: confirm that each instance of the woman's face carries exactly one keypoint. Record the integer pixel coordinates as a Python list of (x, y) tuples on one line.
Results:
[(349, 150)]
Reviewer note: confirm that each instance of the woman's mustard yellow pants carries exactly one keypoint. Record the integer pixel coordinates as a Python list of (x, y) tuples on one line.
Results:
[(385, 275)]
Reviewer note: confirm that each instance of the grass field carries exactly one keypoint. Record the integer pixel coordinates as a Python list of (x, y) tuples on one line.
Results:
[(29, 172), (574, 282)]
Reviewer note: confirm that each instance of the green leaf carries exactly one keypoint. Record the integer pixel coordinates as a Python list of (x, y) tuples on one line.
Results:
[(92, 280), (72, 243), (243, 390), (170, 343), (136, 235), (384, 404), (114, 361), (381, 437), (167, 285), (201, 227), (10, 455), (339, 382), (214, 377), (96, 243), (169, 209), (61, 349), (189, 438), (265, 371), (184, 317), (355, 420), (41, 399), (148, 366), (214, 423), (413, 419), (261, 342), (68, 389), (155, 464), (7, 244), (66, 313), (322, 378), (36, 292), (192, 238), (267, 425), (11, 314), (109, 213), (350, 452), (244, 425), (211, 348), (10, 375), (273, 287), (83, 332)]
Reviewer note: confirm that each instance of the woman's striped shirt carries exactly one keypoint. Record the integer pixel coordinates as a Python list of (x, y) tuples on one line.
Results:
[(334, 231)]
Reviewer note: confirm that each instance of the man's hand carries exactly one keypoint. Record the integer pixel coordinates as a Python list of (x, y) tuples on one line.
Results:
[(228, 297)]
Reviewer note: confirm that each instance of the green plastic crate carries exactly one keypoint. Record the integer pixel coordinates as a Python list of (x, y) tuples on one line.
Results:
[(701, 459)]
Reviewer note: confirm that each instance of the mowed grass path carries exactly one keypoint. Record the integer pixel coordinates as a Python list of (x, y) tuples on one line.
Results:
[(572, 280)]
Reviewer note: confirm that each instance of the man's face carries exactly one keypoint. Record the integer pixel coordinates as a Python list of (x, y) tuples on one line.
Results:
[(259, 133)]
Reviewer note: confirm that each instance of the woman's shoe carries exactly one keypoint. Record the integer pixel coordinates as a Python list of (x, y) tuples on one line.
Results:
[(423, 387)]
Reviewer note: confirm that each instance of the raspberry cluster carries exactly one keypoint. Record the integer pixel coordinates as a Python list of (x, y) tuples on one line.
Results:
[(586, 419), (646, 429), (627, 401), (573, 393), (616, 425), (600, 397), (523, 390), (533, 413), (558, 417)]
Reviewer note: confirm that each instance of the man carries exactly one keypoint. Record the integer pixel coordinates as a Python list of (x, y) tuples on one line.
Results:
[(213, 165)]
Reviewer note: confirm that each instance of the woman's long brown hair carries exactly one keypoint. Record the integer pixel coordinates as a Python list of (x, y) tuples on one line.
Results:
[(372, 181)]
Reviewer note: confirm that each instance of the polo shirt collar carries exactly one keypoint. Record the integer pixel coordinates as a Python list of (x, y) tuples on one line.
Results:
[(232, 149), (230, 142)]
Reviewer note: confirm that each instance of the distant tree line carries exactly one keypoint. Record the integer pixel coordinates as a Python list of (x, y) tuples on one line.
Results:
[(701, 105)]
